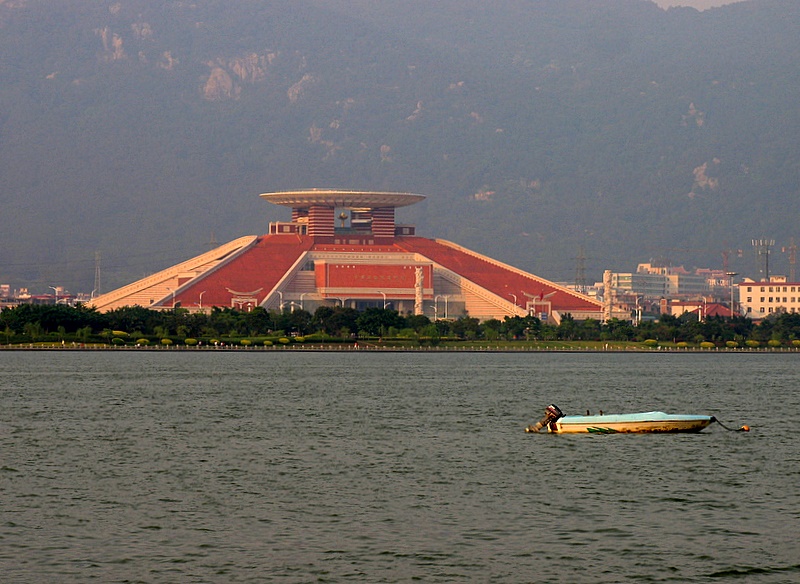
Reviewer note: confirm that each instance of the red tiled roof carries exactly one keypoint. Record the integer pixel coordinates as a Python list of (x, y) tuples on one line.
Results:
[(713, 310), (260, 266), (496, 278)]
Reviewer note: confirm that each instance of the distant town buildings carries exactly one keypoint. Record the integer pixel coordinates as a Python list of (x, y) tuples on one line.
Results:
[(13, 297)]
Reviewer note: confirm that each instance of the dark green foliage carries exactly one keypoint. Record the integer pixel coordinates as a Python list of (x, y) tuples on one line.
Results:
[(28, 323), (376, 321), (51, 317)]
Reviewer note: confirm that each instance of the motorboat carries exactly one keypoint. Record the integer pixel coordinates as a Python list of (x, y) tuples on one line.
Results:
[(645, 422)]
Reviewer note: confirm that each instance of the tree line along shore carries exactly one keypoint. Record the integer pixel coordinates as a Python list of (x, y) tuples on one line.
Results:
[(61, 326)]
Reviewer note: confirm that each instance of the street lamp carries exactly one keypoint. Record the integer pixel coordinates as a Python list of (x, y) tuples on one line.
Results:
[(513, 296), (280, 305), (730, 279), (445, 302), (301, 300), (173, 296), (201, 299), (55, 291), (384, 298), (543, 301)]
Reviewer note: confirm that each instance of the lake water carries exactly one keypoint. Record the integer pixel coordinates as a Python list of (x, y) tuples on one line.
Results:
[(179, 466)]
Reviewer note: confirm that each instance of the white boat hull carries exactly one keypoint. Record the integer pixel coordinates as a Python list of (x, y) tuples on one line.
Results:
[(647, 422)]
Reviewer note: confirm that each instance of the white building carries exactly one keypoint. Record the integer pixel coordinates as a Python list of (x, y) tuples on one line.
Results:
[(760, 299)]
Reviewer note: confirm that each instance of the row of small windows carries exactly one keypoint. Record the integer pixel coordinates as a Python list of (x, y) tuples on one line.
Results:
[(784, 300), (762, 309), (774, 289)]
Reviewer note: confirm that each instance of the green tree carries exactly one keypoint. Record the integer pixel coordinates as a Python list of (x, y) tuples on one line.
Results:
[(466, 327), (376, 321), (33, 330)]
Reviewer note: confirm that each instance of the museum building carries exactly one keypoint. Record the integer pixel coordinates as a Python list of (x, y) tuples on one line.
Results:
[(366, 260)]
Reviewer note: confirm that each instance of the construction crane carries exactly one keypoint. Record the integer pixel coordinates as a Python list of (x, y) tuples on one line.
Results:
[(726, 254)]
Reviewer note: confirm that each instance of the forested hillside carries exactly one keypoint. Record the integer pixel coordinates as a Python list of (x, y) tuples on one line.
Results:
[(142, 129)]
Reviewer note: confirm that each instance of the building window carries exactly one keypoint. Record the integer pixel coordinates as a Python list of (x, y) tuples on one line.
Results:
[(762, 299), (761, 309), (770, 298), (762, 288), (749, 288), (749, 299)]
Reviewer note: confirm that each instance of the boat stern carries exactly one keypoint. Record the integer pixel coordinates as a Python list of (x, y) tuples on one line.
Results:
[(551, 415)]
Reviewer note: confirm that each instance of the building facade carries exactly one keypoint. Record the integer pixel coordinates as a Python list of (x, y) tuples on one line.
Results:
[(344, 248), (761, 299)]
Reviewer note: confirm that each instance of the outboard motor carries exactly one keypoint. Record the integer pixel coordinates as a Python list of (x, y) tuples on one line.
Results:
[(551, 414)]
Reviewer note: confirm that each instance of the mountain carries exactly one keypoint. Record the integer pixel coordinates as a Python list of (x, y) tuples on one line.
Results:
[(541, 130)]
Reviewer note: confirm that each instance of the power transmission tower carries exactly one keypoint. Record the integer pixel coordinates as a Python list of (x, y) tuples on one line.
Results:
[(580, 271), (96, 289)]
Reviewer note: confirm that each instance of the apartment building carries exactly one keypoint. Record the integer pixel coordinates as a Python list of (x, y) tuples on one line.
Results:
[(760, 299)]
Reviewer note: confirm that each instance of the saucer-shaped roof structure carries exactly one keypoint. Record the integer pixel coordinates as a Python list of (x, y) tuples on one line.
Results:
[(342, 198)]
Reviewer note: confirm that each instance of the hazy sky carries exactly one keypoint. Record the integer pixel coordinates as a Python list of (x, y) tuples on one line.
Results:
[(699, 4)]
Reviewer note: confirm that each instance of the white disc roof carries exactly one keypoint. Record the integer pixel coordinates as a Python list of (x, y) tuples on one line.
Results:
[(343, 199)]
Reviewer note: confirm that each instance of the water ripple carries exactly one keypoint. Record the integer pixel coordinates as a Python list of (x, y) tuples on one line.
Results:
[(144, 467)]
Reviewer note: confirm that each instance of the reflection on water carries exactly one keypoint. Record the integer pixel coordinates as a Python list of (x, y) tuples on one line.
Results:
[(236, 467)]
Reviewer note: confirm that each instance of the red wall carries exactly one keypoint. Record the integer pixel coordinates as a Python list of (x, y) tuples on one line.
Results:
[(381, 277)]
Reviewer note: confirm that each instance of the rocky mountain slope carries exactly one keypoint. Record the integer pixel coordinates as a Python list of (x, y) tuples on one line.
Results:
[(143, 129)]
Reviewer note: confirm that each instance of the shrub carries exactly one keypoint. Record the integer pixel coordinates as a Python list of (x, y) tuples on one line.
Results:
[(117, 341), (267, 343), (166, 342), (190, 342), (752, 344), (299, 339), (284, 341), (796, 343), (731, 344), (773, 343), (682, 345), (650, 343), (245, 342), (707, 345), (119, 333), (143, 342)]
